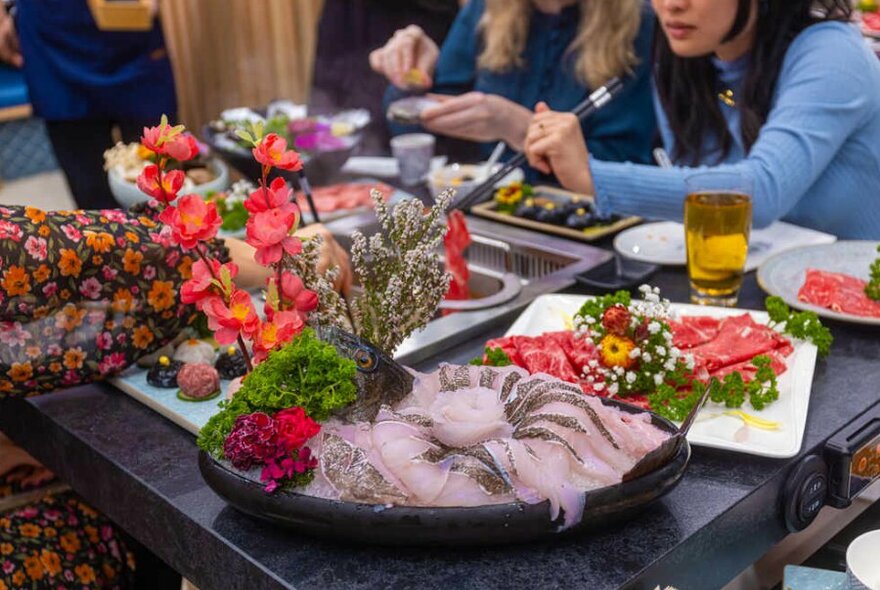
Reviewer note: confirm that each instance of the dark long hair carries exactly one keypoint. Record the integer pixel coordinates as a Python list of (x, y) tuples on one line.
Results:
[(688, 86)]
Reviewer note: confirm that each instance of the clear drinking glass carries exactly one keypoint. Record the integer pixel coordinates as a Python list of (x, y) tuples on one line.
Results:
[(413, 152), (717, 222)]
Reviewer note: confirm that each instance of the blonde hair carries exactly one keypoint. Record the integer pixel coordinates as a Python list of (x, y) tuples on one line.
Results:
[(603, 46)]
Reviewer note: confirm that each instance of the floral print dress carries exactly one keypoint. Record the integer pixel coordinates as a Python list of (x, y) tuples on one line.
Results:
[(83, 294)]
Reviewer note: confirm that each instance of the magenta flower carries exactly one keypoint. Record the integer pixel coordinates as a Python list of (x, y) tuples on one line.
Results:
[(252, 441)]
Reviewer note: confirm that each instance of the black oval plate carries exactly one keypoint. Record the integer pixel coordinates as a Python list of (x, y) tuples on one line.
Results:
[(478, 525)]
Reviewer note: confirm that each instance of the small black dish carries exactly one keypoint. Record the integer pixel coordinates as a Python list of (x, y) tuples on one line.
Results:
[(617, 273)]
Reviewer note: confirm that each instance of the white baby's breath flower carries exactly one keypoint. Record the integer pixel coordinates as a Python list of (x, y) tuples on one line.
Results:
[(599, 386), (630, 377), (613, 389), (660, 351), (669, 365), (646, 357), (654, 327), (635, 353), (658, 379)]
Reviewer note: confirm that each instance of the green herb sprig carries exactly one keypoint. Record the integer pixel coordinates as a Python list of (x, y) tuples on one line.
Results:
[(308, 373), (494, 357), (872, 289), (804, 325), (732, 392)]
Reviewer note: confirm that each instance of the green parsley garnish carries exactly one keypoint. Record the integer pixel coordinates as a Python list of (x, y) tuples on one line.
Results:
[(804, 325), (872, 289), (494, 357), (732, 392), (307, 372)]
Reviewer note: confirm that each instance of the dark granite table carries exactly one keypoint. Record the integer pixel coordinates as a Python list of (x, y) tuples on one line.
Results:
[(141, 470)]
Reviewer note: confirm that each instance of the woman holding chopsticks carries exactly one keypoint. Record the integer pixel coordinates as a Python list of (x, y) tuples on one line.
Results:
[(502, 56), (785, 94)]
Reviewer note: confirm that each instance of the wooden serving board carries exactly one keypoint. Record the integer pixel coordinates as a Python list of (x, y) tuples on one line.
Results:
[(489, 210)]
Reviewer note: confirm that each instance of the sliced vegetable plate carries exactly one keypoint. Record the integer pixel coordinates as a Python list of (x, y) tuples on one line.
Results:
[(777, 431)]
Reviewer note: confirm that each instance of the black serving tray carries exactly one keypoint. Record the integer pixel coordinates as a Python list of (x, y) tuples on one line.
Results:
[(479, 525)]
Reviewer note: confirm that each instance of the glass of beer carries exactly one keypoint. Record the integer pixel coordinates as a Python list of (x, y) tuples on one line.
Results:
[(717, 222)]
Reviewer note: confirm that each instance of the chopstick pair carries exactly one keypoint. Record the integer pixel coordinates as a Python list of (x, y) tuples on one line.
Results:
[(307, 190), (587, 107)]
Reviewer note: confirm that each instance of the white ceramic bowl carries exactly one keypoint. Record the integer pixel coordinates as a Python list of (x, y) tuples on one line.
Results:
[(465, 177), (128, 194), (863, 562)]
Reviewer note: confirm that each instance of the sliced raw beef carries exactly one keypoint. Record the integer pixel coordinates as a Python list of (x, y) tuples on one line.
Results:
[(748, 370), (545, 355), (508, 345), (692, 331), (455, 242), (739, 339), (838, 292), (337, 197)]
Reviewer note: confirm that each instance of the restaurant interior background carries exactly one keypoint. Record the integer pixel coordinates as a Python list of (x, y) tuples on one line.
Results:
[(251, 52)]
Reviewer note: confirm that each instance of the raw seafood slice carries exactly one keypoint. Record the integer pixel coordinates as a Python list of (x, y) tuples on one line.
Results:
[(838, 292), (471, 436)]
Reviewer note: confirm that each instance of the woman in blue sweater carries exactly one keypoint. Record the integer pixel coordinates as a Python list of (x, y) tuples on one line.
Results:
[(503, 56), (784, 93)]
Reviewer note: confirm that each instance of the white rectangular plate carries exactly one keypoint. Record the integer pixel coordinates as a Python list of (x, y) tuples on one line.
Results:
[(190, 416), (549, 313)]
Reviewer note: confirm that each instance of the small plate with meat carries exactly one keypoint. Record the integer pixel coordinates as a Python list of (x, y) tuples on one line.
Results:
[(828, 279), (721, 340)]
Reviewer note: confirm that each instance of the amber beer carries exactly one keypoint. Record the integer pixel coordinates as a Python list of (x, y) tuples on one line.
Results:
[(717, 225)]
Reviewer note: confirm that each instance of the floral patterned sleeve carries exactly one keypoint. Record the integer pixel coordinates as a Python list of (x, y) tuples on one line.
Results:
[(83, 294)]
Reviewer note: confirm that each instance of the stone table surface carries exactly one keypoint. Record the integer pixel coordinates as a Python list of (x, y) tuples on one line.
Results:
[(141, 470)]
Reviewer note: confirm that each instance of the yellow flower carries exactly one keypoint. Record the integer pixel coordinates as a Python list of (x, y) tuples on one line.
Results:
[(97, 260), (70, 264), (51, 561), (132, 237), (615, 351), (185, 267), (131, 261), (100, 242), (55, 367), (29, 530), (74, 357), (85, 573), (6, 549), (123, 301), (70, 543), (35, 215), (42, 273), (34, 567), (142, 337), (161, 295), (20, 371), (510, 194), (16, 281), (44, 231), (147, 222), (70, 317)]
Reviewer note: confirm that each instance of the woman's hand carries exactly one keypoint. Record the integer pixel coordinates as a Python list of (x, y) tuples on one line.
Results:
[(252, 275), (14, 457), (478, 117), (555, 145), (332, 254), (9, 50), (408, 49)]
